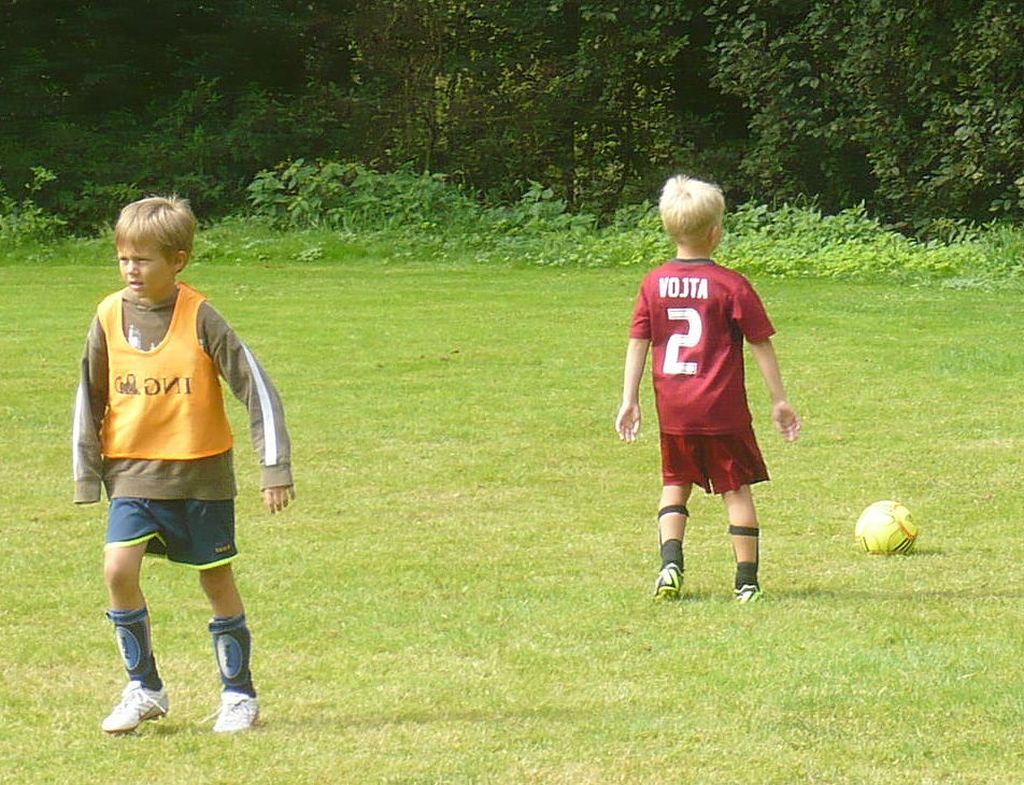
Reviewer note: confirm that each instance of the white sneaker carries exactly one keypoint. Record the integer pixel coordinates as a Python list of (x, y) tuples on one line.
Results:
[(137, 705), (238, 711)]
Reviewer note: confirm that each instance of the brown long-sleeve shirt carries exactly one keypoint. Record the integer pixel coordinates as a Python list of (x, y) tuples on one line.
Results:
[(203, 478)]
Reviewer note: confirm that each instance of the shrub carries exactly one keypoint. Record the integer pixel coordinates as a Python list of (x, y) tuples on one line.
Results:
[(300, 194), (790, 240), (23, 220)]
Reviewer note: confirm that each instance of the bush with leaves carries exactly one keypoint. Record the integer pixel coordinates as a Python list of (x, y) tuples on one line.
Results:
[(427, 212), (22, 220), (305, 194)]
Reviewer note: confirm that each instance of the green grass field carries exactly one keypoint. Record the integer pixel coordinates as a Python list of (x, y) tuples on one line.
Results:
[(461, 593)]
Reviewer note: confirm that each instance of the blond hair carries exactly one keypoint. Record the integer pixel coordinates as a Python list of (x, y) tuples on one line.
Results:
[(166, 221), (690, 208)]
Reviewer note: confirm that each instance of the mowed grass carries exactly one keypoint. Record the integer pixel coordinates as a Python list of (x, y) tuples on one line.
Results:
[(461, 593)]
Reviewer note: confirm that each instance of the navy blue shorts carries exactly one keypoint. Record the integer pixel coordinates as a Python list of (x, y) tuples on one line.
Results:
[(186, 531)]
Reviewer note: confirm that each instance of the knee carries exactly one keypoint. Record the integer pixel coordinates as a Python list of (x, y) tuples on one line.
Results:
[(739, 505), (217, 582), (675, 495), (120, 575)]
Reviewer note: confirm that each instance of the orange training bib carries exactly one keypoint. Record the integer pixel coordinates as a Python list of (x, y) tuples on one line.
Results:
[(166, 403)]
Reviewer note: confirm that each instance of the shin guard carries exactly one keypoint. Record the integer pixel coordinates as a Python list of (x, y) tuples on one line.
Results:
[(232, 644), (133, 640)]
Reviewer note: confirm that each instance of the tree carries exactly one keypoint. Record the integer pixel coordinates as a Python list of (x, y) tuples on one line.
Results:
[(913, 107)]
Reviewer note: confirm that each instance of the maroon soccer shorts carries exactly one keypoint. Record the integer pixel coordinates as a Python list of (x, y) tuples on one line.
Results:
[(718, 463)]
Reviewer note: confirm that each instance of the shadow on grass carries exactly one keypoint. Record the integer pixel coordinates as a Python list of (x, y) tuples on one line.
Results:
[(844, 594), (917, 553), (695, 597), (162, 728), (430, 715)]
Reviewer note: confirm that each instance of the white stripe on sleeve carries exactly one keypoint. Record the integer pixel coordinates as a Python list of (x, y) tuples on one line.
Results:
[(270, 456), (82, 411)]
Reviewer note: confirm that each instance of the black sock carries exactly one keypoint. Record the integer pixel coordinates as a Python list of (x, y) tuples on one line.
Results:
[(746, 574), (672, 553)]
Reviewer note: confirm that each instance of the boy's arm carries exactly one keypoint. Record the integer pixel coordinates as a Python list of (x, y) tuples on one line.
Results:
[(783, 414), (251, 385), (627, 423), (90, 406)]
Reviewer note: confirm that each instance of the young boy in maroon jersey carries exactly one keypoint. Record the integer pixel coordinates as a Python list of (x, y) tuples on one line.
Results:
[(694, 316)]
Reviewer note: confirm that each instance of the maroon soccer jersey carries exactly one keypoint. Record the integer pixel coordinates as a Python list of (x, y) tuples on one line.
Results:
[(696, 315)]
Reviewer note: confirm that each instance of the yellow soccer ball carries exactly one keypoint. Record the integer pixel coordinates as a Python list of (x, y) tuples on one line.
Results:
[(886, 527)]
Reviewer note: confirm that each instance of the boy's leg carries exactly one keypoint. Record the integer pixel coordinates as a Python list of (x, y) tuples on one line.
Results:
[(122, 567), (144, 697), (232, 641), (672, 517), (745, 534), (219, 586), (232, 644)]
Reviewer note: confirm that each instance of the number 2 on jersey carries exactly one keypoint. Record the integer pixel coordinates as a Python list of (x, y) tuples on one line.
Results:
[(682, 340)]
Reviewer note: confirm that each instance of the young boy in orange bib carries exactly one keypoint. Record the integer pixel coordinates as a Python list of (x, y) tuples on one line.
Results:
[(150, 427)]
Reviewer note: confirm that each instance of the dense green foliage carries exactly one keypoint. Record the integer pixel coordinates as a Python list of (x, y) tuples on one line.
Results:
[(22, 219), (911, 109), (425, 211), (914, 107), (308, 210)]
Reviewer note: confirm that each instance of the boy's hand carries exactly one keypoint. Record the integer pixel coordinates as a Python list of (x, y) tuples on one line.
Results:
[(786, 420), (277, 498), (627, 423)]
